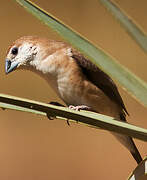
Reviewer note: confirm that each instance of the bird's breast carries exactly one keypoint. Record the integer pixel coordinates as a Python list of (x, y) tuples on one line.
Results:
[(70, 88)]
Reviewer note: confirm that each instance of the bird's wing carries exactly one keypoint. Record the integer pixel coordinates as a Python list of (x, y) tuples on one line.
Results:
[(99, 78)]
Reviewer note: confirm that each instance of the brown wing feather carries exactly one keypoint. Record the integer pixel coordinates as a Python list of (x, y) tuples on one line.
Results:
[(100, 79)]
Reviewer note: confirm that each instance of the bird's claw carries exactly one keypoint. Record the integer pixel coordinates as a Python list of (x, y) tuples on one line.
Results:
[(56, 104), (80, 107), (68, 123), (50, 117)]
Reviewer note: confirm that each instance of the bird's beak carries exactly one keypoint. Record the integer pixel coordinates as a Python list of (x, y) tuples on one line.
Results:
[(10, 66)]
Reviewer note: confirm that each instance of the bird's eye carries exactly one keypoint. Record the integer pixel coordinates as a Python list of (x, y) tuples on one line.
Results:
[(14, 51)]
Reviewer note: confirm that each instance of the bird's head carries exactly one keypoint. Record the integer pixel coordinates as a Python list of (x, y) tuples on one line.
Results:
[(20, 54)]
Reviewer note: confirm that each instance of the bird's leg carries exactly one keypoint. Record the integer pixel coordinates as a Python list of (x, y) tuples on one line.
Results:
[(56, 104), (80, 107)]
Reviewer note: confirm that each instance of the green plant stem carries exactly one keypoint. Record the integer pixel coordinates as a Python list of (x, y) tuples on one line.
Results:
[(93, 119)]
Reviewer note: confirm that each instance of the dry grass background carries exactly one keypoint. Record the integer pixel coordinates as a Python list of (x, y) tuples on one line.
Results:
[(33, 148)]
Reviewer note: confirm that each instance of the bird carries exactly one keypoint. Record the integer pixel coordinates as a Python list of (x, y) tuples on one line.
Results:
[(73, 77)]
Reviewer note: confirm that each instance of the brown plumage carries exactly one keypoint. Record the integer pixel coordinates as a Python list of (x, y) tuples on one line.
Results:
[(75, 79)]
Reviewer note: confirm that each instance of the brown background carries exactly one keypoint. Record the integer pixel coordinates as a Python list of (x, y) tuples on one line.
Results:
[(33, 148)]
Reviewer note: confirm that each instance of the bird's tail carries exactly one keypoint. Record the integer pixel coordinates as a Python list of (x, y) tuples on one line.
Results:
[(130, 145)]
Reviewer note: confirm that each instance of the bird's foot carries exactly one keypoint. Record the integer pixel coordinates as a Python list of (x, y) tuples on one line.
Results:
[(50, 117), (80, 107), (56, 104)]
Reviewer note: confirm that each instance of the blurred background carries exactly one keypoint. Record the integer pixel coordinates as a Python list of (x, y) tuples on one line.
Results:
[(34, 148)]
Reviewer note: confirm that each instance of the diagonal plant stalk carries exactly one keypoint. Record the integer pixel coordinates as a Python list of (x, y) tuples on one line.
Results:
[(140, 172), (133, 84), (133, 30), (93, 119)]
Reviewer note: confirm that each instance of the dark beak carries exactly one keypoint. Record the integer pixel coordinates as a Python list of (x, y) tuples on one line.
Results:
[(10, 66)]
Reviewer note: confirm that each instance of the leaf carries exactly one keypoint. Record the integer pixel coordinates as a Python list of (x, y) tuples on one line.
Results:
[(91, 119), (133, 30), (133, 84)]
